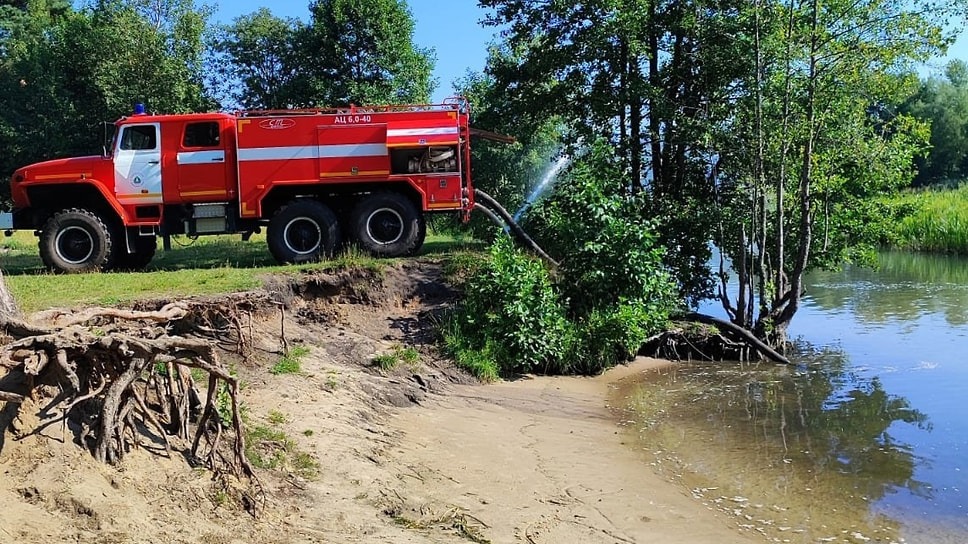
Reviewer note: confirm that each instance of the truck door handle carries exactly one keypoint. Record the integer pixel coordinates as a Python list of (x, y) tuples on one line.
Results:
[(154, 162), (218, 160)]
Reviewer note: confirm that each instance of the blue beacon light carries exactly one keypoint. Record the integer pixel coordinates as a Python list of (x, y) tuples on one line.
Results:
[(139, 109)]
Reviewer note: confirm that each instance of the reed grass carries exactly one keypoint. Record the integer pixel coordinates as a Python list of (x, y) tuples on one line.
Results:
[(938, 221)]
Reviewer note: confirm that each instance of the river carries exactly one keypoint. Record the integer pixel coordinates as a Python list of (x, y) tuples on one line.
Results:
[(866, 440)]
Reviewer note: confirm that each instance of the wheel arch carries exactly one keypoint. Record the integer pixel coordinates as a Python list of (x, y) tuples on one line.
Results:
[(46, 200), (341, 197)]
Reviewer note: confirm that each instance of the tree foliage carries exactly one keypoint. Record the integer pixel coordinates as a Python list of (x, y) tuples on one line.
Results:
[(66, 67), (943, 102), (763, 128), (258, 63), (58, 80), (509, 172), (362, 52), (610, 293)]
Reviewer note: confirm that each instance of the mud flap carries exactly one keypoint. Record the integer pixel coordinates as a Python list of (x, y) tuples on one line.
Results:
[(6, 221)]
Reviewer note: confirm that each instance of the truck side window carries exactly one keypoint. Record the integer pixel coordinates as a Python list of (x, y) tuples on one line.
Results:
[(139, 137), (201, 135)]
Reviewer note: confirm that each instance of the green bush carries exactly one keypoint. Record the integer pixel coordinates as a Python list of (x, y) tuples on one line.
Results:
[(610, 293), (512, 312), (609, 252), (611, 335)]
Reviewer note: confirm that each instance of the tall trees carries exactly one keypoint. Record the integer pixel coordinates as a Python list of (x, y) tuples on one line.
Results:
[(62, 72), (351, 51), (763, 127), (831, 140), (362, 51), (259, 63), (943, 102)]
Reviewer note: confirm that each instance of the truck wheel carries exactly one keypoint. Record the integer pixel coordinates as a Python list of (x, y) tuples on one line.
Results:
[(75, 240), (144, 251), (421, 236), (303, 231), (387, 225)]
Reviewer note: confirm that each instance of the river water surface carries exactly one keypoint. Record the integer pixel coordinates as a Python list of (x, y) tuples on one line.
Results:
[(866, 440)]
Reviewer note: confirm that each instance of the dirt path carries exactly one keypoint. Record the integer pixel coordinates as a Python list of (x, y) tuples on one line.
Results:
[(412, 455)]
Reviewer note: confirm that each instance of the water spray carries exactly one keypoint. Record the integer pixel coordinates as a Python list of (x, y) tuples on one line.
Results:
[(547, 181)]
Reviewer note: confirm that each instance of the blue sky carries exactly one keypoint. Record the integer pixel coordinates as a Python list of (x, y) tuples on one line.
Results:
[(451, 27)]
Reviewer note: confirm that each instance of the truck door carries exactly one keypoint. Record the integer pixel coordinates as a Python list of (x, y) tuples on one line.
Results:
[(137, 165), (202, 174)]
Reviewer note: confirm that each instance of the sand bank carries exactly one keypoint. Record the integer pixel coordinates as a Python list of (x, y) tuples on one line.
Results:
[(543, 460)]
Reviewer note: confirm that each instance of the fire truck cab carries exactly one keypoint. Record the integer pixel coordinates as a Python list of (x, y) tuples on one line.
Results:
[(314, 179)]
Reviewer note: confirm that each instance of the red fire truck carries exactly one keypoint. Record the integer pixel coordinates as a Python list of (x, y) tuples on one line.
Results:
[(313, 178)]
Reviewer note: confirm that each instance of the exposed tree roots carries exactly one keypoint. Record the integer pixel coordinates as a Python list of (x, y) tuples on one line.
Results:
[(703, 338), (121, 381)]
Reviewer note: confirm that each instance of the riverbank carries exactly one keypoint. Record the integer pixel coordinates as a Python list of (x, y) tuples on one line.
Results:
[(356, 452), (544, 460)]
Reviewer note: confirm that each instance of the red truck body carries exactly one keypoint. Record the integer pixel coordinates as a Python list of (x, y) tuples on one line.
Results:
[(313, 178)]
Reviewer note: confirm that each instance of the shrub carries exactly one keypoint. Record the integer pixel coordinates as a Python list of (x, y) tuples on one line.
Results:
[(610, 293), (512, 309), (598, 230)]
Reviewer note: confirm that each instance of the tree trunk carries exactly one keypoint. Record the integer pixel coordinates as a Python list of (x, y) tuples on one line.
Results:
[(655, 127), (8, 306), (783, 314)]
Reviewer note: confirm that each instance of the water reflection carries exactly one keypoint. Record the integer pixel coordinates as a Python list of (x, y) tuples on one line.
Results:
[(905, 287), (786, 452), (839, 443)]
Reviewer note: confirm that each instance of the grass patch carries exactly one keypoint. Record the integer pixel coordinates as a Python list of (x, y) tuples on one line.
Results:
[(937, 221), (204, 266), (387, 362), (291, 362), (273, 449), (277, 418)]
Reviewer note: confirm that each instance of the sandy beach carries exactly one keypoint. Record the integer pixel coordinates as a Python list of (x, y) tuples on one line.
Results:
[(543, 460)]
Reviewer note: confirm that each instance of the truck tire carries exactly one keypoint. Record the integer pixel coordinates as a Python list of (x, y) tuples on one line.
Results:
[(387, 225), (303, 231), (75, 240), (421, 236), (144, 252)]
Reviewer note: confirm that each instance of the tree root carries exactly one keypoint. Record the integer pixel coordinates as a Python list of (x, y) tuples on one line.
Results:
[(742, 334), (134, 378), (711, 341)]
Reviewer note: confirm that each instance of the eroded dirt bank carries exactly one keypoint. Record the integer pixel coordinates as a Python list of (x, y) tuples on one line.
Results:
[(415, 454)]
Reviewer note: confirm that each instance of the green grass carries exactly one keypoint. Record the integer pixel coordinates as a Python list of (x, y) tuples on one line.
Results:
[(206, 266), (480, 364), (273, 449), (277, 418), (938, 222), (291, 362), (387, 362)]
